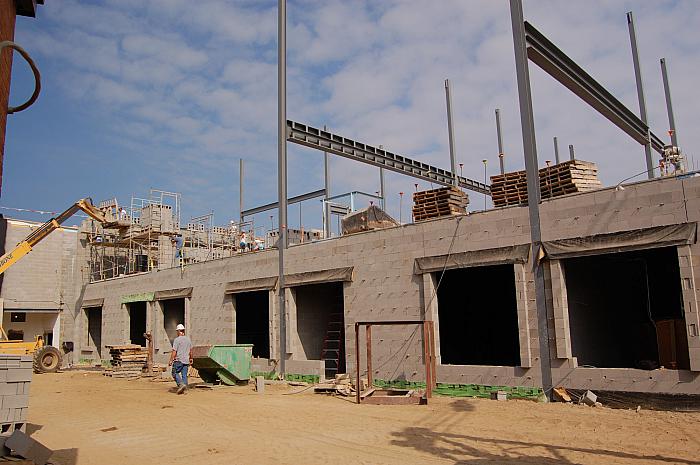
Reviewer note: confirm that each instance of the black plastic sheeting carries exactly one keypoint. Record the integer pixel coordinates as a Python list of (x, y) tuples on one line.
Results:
[(624, 241)]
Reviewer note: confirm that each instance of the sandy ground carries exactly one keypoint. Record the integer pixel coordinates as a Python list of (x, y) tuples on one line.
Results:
[(90, 419)]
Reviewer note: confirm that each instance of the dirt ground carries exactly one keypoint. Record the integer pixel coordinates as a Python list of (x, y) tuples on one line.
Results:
[(90, 419)]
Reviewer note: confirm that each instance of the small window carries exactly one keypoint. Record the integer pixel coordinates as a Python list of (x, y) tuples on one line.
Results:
[(18, 317), (14, 335)]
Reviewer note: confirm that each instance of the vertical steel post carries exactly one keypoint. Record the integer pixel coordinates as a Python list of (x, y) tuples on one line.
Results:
[(572, 155), (282, 171), (527, 121), (484, 161), (556, 150), (450, 131), (640, 93), (381, 188), (240, 190), (669, 105), (326, 205), (501, 154)]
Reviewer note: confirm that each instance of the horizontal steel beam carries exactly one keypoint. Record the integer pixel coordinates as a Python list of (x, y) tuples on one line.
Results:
[(290, 200), (348, 148), (552, 60)]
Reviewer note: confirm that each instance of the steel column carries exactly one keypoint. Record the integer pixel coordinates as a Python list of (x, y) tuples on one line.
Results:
[(669, 105), (240, 190), (572, 155), (450, 131), (640, 92), (501, 154), (556, 150), (527, 121), (282, 171), (381, 188), (327, 185)]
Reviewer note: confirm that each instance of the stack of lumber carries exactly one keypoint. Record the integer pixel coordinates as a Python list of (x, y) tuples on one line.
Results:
[(435, 203), (564, 178), (128, 361)]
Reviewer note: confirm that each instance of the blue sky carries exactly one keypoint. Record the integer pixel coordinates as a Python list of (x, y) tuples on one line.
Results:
[(166, 95)]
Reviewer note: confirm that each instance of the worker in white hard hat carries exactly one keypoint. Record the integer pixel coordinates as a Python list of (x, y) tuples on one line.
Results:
[(181, 358)]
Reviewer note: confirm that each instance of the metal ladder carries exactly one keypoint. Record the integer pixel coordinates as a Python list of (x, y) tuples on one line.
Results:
[(332, 352)]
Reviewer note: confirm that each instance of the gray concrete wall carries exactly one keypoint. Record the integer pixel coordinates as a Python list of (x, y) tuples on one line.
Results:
[(385, 286), (45, 279)]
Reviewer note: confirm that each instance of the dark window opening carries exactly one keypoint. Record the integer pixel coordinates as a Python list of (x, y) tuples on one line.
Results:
[(626, 310), (137, 322), (94, 326), (15, 335), (253, 321), (321, 324), (18, 317), (478, 316), (173, 315)]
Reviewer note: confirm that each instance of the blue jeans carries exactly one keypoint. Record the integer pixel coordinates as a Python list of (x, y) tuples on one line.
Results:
[(179, 369)]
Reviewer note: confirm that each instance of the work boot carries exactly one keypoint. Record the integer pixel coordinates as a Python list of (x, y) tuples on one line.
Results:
[(181, 389)]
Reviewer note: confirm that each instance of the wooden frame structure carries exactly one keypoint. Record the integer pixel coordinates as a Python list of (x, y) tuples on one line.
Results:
[(428, 352)]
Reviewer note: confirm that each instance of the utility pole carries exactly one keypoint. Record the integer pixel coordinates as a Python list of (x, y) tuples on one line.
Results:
[(282, 172), (501, 154), (640, 93), (527, 121), (450, 132)]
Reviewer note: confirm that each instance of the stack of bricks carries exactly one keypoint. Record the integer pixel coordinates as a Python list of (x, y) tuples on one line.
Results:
[(564, 178), (15, 376), (435, 203)]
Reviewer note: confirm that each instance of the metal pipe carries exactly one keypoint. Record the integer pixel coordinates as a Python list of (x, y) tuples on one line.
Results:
[(640, 93), (381, 188), (450, 131), (240, 190), (282, 172), (501, 154), (572, 155), (556, 150), (327, 185), (527, 121), (669, 105)]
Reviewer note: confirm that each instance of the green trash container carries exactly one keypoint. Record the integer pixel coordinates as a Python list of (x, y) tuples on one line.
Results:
[(228, 363)]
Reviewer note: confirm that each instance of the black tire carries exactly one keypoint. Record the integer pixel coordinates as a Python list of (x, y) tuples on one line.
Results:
[(47, 360)]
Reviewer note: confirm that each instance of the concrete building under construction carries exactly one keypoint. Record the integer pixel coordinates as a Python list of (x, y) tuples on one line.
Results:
[(620, 267)]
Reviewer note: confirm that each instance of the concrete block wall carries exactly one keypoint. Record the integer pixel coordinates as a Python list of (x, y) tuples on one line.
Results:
[(386, 287), (15, 378)]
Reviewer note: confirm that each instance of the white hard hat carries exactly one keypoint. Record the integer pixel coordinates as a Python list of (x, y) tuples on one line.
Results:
[(180, 327)]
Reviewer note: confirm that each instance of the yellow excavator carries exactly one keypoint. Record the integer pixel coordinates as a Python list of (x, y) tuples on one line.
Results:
[(47, 359)]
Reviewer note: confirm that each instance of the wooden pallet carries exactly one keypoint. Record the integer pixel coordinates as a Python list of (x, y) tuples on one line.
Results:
[(561, 179)]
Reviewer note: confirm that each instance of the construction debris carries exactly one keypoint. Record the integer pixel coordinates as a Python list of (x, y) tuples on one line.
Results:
[(561, 395), (589, 399), (435, 203), (367, 219), (564, 178), (499, 395), (28, 448)]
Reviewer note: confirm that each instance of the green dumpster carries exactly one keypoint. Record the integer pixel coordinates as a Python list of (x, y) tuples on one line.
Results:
[(228, 363)]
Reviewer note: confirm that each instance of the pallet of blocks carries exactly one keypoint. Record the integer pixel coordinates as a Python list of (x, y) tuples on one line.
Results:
[(564, 178), (128, 361), (15, 378), (435, 203)]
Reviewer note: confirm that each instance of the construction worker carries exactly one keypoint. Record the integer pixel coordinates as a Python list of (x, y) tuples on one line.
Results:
[(181, 358)]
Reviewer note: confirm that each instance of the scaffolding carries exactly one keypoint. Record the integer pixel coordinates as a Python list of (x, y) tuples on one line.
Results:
[(147, 235)]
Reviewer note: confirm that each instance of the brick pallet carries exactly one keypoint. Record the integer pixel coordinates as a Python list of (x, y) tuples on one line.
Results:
[(128, 361), (561, 179), (15, 376), (435, 203)]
